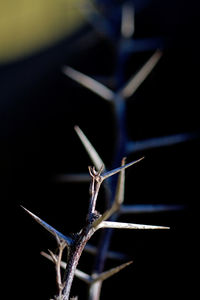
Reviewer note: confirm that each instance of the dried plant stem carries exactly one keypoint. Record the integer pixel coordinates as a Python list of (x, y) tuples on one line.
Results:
[(73, 260), (119, 112), (57, 261), (86, 233)]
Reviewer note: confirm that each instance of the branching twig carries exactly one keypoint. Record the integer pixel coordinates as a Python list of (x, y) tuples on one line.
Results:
[(57, 261), (77, 244)]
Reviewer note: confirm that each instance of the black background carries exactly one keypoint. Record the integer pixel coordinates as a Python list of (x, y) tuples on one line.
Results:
[(39, 108)]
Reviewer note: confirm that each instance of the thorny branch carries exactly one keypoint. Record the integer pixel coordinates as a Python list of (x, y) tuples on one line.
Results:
[(94, 222)]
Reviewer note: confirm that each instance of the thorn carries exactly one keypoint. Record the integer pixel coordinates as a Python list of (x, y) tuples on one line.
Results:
[(150, 208), (105, 275), (90, 83), (119, 225), (134, 83), (49, 228), (113, 172), (160, 142), (128, 20), (81, 177), (83, 276), (96, 159)]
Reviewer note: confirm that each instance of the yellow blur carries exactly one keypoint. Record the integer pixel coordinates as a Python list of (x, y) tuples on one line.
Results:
[(29, 25)]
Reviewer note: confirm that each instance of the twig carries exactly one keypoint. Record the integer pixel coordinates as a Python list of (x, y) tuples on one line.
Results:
[(57, 260), (77, 244)]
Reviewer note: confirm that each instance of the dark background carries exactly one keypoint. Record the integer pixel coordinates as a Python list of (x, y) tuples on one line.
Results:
[(38, 109)]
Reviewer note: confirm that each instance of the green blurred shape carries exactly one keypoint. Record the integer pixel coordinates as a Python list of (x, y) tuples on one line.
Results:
[(27, 26)]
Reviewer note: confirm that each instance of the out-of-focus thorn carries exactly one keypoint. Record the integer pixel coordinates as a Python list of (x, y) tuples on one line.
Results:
[(96, 159), (110, 254), (84, 276), (150, 208), (157, 142), (105, 275), (79, 177), (117, 170), (81, 275), (90, 83), (49, 228), (128, 20), (119, 225), (133, 84)]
